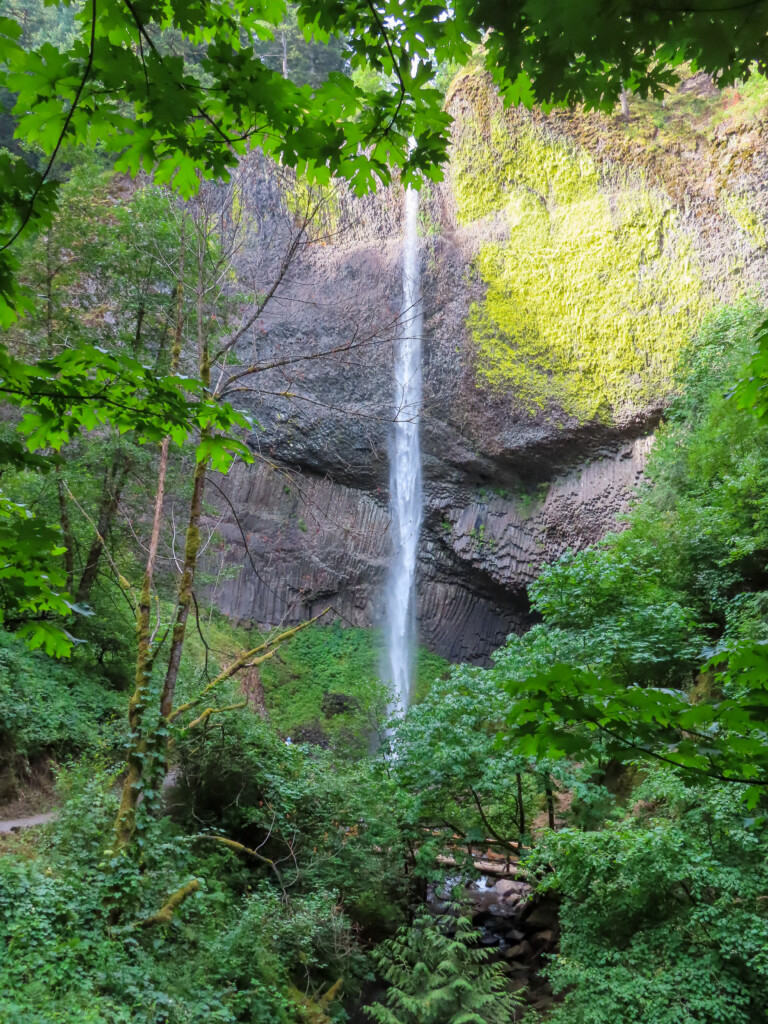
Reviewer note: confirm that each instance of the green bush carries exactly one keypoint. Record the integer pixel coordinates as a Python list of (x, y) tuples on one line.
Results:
[(237, 951), (438, 974), (664, 915), (326, 821), (54, 707)]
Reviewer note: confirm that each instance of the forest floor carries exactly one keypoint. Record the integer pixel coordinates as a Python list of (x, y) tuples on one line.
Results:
[(35, 793), (14, 824)]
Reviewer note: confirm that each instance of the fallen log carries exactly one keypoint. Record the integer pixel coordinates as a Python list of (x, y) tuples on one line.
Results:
[(497, 868)]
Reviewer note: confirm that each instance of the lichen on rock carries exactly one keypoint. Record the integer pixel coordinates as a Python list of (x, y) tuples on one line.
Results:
[(597, 288)]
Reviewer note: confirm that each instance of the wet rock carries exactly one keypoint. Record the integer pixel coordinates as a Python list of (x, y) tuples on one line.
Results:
[(504, 886), (545, 936), (511, 887), (506, 909)]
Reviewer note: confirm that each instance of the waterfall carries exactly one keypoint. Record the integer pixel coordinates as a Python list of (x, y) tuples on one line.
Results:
[(405, 472)]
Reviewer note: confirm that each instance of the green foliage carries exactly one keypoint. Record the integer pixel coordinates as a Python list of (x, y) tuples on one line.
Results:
[(324, 684), (588, 51), (569, 710), (599, 610), (76, 391), (83, 388), (437, 974), (234, 953), (322, 819), (663, 913), (31, 584), (54, 708), (456, 778)]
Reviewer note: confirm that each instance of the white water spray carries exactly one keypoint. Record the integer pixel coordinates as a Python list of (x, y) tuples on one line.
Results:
[(405, 472)]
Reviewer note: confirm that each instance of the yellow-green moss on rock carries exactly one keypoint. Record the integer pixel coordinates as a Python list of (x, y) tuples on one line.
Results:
[(745, 217), (316, 207), (594, 293)]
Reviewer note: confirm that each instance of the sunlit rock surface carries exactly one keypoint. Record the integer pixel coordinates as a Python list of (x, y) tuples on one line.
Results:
[(549, 355)]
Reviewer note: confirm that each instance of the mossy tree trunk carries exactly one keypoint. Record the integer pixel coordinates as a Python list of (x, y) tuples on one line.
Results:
[(184, 595), (215, 241), (125, 822)]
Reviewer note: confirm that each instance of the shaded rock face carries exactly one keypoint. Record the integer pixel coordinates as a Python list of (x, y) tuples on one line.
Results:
[(308, 541), (507, 487)]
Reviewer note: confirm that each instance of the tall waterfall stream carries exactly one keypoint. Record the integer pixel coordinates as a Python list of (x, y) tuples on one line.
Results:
[(405, 472)]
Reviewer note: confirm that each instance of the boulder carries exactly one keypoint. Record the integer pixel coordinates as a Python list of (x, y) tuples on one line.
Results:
[(504, 886), (521, 949)]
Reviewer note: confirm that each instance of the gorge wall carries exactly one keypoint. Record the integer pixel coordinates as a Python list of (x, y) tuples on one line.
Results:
[(567, 261)]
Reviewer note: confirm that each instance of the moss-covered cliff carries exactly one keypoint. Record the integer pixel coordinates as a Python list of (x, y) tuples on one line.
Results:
[(595, 274)]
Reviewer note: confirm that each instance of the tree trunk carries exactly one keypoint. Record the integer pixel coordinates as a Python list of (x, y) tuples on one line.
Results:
[(138, 747), (192, 539), (186, 584), (114, 481), (253, 691), (66, 529), (125, 822)]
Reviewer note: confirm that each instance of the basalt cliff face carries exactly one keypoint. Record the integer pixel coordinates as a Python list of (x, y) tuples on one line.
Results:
[(567, 260)]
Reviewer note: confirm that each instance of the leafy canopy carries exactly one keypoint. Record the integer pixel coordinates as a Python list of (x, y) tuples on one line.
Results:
[(588, 50), (121, 87), (118, 84)]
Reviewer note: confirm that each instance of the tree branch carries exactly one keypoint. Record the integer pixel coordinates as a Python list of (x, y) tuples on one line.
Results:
[(244, 661), (165, 914)]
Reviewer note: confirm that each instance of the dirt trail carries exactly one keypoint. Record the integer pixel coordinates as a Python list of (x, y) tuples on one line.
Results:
[(14, 824)]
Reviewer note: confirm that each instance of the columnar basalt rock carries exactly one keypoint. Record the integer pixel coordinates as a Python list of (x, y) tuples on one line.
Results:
[(512, 476)]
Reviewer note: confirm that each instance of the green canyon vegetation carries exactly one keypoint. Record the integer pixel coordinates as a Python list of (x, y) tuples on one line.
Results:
[(200, 225)]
